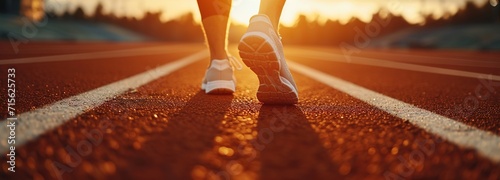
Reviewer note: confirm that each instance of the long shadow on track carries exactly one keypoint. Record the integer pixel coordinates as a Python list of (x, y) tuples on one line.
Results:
[(190, 132), (290, 148)]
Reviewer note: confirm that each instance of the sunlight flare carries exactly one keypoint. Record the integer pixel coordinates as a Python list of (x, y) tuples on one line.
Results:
[(415, 12)]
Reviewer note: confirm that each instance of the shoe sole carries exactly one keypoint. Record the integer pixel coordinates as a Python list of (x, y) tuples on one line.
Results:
[(259, 55), (219, 87)]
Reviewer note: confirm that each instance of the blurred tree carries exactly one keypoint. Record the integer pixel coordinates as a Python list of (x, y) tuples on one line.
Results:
[(304, 31), (99, 13), (79, 13)]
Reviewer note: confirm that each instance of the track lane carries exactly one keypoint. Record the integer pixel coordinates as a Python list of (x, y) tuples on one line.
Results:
[(321, 129), (451, 96), (187, 138), (37, 49), (479, 62), (40, 84)]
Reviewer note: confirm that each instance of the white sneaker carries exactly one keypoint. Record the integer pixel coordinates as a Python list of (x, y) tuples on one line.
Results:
[(262, 51), (219, 77)]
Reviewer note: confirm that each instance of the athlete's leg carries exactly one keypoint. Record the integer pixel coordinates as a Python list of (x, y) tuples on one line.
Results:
[(262, 51), (215, 15), (219, 78), (272, 8)]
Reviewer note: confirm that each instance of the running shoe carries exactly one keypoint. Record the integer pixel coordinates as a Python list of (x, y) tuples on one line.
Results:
[(219, 77), (262, 51)]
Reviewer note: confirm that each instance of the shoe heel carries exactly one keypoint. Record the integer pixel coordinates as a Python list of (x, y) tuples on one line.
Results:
[(260, 57), (220, 87)]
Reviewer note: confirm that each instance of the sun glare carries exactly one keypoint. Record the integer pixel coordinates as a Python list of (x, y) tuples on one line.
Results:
[(342, 11), (243, 10)]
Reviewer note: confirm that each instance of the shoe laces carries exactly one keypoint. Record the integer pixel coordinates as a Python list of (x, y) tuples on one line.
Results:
[(235, 62)]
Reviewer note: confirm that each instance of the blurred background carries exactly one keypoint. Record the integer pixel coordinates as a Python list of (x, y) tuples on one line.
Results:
[(429, 24)]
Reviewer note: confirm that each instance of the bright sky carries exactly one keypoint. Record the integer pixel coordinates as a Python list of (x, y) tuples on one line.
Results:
[(414, 11)]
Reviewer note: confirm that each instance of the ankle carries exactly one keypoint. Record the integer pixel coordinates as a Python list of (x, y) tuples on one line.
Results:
[(274, 21), (219, 56)]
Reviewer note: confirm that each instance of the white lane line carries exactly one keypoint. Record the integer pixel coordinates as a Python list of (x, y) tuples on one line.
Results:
[(427, 59), (34, 123), (442, 60), (486, 143), (394, 65), (98, 55)]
